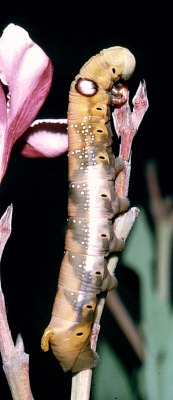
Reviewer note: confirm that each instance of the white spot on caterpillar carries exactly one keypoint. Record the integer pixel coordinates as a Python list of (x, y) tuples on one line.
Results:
[(80, 298), (86, 87)]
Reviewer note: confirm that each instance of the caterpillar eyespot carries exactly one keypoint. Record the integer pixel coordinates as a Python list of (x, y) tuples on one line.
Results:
[(92, 205), (86, 87)]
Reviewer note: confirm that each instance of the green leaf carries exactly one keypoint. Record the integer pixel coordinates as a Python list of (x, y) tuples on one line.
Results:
[(110, 379)]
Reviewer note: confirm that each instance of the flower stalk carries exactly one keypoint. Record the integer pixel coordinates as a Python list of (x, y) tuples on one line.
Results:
[(15, 360)]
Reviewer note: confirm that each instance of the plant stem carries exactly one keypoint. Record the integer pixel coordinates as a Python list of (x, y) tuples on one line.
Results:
[(15, 361), (126, 323)]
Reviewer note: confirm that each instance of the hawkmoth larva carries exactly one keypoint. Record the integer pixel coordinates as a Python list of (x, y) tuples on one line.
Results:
[(92, 205)]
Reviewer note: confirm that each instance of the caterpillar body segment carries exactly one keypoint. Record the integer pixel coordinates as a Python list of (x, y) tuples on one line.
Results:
[(92, 207)]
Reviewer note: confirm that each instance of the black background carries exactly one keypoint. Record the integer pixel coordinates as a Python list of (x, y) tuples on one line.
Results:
[(70, 33)]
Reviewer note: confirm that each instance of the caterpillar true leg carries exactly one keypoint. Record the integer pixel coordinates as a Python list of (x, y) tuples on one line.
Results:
[(116, 97), (92, 206)]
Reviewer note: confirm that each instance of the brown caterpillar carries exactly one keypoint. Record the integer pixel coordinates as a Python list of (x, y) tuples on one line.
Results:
[(92, 205)]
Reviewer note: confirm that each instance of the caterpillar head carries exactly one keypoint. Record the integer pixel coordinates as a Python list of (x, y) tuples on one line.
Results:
[(104, 69), (120, 62)]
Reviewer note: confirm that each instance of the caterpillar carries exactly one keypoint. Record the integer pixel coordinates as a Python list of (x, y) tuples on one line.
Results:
[(92, 206)]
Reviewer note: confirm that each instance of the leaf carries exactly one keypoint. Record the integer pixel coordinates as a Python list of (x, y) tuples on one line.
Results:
[(110, 379)]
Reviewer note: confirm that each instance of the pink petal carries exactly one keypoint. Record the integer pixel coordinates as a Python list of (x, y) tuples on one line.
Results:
[(5, 228), (27, 71), (3, 120), (45, 138)]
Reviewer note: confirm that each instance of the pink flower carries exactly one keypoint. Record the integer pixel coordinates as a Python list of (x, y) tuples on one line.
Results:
[(25, 81), (44, 138)]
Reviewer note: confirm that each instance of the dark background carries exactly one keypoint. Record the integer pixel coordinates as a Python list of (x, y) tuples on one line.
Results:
[(70, 33)]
